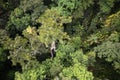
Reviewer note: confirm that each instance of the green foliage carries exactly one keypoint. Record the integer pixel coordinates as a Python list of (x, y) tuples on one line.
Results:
[(79, 57), (72, 7), (78, 65), (110, 52), (32, 74), (76, 72), (67, 6), (95, 39), (23, 50), (24, 15), (3, 37), (106, 5), (86, 35), (75, 29), (33, 7), (91, 58), (10, 75), (56, 67), (47, 70), (4, 5), (8, 5), (3, 55), (81, 7), (104, 70), (52, 26), (113, 22), (114, 37), (72, 45), (19, 51), (35, 44), (18, 20)]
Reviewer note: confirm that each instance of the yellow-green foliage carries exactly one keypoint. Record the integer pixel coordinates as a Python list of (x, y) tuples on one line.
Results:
[(24, 49), (95, 38), (113, 20), (76, 72), (32, 74), (19, 52), (52, 26)]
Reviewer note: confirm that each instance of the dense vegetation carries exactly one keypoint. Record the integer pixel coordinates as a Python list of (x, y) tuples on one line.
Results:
[(86, 34)]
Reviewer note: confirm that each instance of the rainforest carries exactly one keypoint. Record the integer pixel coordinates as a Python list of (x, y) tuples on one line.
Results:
[(59, 39)]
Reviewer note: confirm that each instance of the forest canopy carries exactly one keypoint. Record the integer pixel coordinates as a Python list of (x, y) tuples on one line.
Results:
[(59, 40)]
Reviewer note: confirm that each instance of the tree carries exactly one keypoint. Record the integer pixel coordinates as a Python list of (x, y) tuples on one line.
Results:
[(109, 51), (76, 72), (113, 22), (24, 15), (59, 67), (106, 5), (85, 33), (52, 26)]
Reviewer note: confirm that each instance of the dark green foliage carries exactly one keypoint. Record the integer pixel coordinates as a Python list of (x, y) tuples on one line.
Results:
[(69, 7), (104, 70), (11, 75), (32, 7), (3, 36), (3, 55), (106, 5), (18, 21), (24, 15), (110, 52), (6, 6)]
